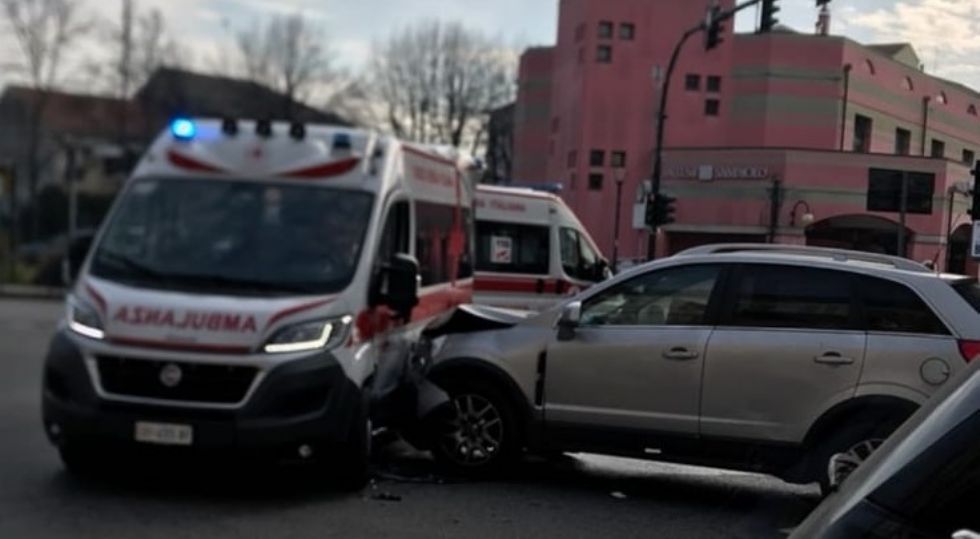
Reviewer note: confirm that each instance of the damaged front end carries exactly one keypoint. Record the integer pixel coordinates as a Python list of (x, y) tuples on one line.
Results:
[(426, 395)]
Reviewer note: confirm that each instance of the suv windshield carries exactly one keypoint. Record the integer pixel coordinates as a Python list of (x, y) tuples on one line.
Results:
[(245, 236)]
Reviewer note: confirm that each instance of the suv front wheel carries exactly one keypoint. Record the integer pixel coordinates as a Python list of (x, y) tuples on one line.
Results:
[(477, 431)]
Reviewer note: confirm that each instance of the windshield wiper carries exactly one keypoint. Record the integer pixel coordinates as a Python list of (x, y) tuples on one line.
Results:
[(225, 281), (138, 268)]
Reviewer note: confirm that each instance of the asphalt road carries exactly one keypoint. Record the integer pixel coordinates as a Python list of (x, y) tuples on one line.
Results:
[(579, 496)]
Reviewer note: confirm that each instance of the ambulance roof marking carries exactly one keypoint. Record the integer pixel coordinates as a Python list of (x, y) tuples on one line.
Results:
[(189, 163), (426, 155), (325, 170)]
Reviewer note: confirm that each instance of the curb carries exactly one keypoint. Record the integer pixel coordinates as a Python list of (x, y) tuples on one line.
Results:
[(31, 292)]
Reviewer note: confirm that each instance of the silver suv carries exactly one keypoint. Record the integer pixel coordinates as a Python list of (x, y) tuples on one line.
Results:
[(753, 357)]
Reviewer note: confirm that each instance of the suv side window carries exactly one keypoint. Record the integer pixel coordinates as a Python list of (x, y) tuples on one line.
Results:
[(671, 297), (774, 296), (894, 308)]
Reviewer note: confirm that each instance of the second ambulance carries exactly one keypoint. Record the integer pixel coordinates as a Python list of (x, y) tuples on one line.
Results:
[(531, 249), (255, 289)]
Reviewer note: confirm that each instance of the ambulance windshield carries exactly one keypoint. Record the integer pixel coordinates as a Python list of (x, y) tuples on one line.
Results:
[(234, 237)]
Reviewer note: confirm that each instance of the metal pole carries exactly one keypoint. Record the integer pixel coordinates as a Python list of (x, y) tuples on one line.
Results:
[(619, 203), (775, 203), (903, 211), (949, 227), (847, 98), (661, 117), (662, 111), (925, 124)]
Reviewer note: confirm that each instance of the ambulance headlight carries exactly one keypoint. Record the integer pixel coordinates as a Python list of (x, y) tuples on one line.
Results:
[(84, 320), (320, 334)]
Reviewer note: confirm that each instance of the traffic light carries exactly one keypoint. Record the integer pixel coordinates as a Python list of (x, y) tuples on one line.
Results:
[(713, 28), (974, 210), (660, 210), (769, 20)]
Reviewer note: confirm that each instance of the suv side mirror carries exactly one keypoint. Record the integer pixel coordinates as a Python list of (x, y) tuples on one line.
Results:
[(71, 264), (569, 321), (398, 285)]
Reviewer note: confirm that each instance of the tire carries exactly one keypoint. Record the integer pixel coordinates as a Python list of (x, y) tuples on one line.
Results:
[(478, 432), (350, 464), (855, 442)]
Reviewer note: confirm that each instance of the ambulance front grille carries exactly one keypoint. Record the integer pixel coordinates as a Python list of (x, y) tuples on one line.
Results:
[(175, 381)]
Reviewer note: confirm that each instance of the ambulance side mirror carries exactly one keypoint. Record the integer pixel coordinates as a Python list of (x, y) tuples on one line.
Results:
[(398, 285), (72, 263)]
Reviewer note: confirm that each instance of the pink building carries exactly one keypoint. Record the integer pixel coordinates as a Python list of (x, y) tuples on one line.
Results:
[(793, 137)]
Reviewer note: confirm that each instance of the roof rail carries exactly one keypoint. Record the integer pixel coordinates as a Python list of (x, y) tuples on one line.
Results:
[(841, 255)]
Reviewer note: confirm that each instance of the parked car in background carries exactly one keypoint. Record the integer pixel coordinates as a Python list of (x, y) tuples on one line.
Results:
[(531, 249), (924, 482), (754, 357)]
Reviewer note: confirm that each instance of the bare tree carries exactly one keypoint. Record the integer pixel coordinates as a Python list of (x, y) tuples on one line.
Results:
[(44, 31), (288, 54), (437, 82), (140, 44)]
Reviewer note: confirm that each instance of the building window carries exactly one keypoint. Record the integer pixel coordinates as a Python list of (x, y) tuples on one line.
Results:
[(604, 54), (618, 160), (692, 82), (942, 98), (580, 32), (969, 157), (862, 133), (907, 84), (972, 110), (605, 29), (595, 181), (597, 158), (712, 107), (714, 84), (903, 141), (627, 31), (571, 181), (572, 159), (869, 67), (938, 149)]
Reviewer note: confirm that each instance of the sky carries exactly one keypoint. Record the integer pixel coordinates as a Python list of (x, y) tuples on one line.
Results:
[(946, 33)]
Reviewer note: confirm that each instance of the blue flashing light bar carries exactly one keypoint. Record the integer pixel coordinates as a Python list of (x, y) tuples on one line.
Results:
[(183, 129)]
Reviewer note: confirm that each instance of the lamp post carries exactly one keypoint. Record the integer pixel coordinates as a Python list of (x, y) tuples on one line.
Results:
[(619, 174)]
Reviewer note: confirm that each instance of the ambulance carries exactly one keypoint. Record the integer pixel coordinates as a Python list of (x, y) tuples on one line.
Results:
[(258, 288), (531, 249)]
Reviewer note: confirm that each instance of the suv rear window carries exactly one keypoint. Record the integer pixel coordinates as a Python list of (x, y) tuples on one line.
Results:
[(969, 290), (771, 296), (893, 308)]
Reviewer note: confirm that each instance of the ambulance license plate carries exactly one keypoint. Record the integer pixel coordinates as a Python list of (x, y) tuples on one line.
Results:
[(164, 433)]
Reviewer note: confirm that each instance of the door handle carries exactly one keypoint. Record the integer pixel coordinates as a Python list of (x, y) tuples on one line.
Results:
[(680, 353), (834, 358)]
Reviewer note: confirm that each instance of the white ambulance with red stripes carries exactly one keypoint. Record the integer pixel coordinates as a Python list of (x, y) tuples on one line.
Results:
[(259, 287), (531, 249)]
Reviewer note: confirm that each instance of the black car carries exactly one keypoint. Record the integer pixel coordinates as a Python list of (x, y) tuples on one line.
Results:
[(924, 482)]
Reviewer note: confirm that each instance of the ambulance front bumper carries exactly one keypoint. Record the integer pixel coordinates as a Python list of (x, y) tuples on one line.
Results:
[(306, 401)]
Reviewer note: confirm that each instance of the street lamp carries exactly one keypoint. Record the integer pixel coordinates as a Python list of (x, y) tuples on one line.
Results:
[(619, 174), (806, 218)]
